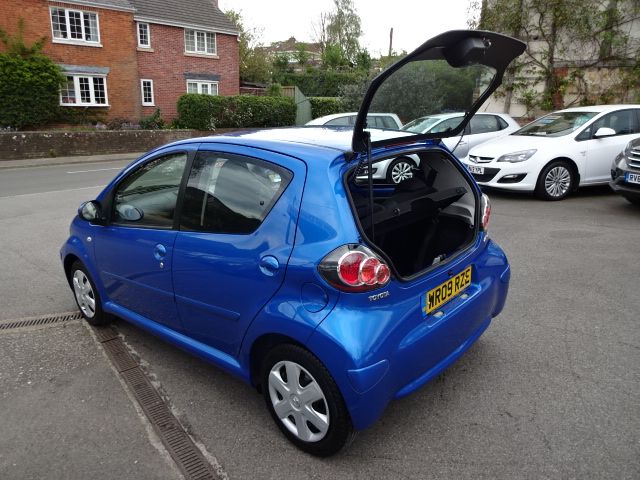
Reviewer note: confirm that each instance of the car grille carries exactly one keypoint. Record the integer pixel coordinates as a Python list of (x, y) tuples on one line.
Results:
[(633, 159), (488, 174), (478, 159)]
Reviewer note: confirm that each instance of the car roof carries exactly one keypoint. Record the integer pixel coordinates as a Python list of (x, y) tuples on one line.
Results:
[(319, 141), (598, 108), (327, 118)]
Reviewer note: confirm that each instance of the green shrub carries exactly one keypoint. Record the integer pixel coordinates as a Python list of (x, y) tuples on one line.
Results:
[(274, 90), (29, 82), (320, 83), (152, 122), (208, 112), (321, 106)]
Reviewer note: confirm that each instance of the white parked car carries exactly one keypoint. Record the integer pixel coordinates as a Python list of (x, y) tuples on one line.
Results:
[(557, 153), (348, 119), (482, 127)]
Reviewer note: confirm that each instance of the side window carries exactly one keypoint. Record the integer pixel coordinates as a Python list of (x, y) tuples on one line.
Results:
[(339, 122), (389, 123), (483, 124), (445, 125), (147, 197), (502, 124), (230, 193), (623, 122)]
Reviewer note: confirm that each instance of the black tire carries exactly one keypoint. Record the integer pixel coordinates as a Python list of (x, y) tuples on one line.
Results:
[(556, 181), (403, 163), (95, 316), (633, 200), (339, 433)]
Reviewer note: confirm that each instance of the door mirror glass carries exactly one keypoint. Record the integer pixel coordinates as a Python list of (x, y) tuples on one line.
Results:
[(90, 211), (604, 132), (129, 213)]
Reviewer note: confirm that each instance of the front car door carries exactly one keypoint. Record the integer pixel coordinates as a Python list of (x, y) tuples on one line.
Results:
[(600, 152), (134, 250), (238, 224)]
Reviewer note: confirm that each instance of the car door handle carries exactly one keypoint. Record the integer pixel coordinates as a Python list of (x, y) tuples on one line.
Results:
[(159, 252), (269, 265)]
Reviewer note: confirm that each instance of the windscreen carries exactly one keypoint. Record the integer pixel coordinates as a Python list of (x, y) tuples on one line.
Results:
[(556, 124), (423, 91)]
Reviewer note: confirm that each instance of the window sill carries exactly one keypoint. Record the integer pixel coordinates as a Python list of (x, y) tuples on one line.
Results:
[(148, 104), (144, 49), (80, 43), (85, 105), (202, 55)]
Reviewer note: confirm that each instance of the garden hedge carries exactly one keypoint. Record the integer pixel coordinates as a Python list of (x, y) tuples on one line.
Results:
[(208, 112), (321, 106)]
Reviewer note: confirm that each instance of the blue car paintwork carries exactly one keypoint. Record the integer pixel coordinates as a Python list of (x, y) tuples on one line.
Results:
[(375, 350)]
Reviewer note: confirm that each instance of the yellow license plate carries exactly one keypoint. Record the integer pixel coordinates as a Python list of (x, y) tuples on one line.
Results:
[(444, 292)]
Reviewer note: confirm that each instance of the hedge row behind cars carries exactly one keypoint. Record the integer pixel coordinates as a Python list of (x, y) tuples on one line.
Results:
[(321, 106), (207, 112)]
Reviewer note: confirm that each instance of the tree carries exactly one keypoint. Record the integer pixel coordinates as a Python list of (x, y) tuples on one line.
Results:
[(29, 82), (340, 29), (563, 36), (254, 63), (302, 55)]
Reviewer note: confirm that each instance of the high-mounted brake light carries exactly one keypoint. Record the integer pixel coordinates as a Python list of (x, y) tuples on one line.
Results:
[(354, 268), (486, 212)]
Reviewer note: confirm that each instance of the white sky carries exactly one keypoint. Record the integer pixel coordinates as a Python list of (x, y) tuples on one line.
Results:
[(413, 21)]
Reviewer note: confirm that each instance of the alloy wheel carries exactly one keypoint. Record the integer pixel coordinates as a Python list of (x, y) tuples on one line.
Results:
[(401, 171), (298, 401), (84, 294), (557, 181)]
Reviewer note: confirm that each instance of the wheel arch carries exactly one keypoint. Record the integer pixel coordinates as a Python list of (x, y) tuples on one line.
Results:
[(260, 347), (572, 163)]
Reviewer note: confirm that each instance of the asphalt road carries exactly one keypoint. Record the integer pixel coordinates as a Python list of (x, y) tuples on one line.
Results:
[(551, 390)]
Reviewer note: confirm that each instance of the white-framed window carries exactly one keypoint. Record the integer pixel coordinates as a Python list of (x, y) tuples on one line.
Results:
[(197, 41), (74, 26), (144, 35), (146, 89), (202, 86), (84, 90)]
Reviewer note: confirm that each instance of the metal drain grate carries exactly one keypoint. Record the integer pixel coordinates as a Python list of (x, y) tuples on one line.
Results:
[(187, 456), (37, 321)]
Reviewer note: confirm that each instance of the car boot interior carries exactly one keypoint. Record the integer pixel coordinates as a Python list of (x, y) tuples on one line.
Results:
[(421, 221)]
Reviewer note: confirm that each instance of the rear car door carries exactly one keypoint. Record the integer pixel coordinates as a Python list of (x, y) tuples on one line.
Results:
[(483, 127), (237, 229), (134, 251), (600, 152)]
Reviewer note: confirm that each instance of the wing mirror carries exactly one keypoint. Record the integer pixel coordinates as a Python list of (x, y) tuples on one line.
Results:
[(604, 132), (91, 212)]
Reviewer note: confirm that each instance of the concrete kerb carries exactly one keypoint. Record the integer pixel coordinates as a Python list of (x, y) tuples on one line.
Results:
[(44, 162)]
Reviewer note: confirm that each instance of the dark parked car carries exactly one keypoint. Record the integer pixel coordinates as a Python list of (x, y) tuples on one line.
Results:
[(625, 172), (266, 254)]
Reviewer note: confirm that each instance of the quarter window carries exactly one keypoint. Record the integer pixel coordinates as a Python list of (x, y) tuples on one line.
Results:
[(144, 35), (81, 90), (196, 41), (74, 25), (230, 194), (206, 88), (148, 196), (146, 87)]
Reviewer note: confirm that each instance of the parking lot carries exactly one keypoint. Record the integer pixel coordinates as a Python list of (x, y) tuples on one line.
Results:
[(551, 390)]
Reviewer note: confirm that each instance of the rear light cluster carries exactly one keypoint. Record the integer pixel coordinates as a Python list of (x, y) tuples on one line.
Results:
[(486, 212), (354, 268)]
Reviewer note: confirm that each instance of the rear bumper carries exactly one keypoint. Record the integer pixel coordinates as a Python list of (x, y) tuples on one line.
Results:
[(376, 354)]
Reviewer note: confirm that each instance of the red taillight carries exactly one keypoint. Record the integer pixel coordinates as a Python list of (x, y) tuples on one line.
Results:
[(354, 268), (349, 268), (486, 212)]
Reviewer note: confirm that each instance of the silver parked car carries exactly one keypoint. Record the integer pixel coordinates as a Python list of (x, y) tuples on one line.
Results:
[(348, 119), (481, 128)]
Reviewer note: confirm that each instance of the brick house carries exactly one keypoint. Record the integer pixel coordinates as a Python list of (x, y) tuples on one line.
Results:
[(125, 58)]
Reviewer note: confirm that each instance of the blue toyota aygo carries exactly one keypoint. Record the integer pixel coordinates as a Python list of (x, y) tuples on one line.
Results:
[(275, 256)]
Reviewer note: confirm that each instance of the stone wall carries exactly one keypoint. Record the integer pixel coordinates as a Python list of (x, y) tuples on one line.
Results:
[(22, 145)]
